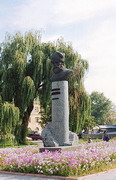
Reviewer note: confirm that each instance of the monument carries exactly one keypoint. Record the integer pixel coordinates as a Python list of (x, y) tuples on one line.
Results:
[(57, 132)]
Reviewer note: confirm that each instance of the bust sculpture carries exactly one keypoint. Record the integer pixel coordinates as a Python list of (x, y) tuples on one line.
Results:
[(60, 72)]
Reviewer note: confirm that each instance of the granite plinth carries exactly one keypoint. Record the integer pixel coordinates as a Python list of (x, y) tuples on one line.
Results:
[(56, 133), (60, 112)]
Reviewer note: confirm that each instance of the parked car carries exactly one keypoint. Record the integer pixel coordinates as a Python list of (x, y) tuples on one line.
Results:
[(35, 136)]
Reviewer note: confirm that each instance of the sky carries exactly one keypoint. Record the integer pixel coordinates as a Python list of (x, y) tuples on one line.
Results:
[(89, 25)]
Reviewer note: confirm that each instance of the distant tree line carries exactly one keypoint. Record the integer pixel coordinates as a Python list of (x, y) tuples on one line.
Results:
[(102, 109)]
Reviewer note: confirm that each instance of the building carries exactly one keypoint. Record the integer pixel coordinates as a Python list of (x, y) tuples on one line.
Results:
[(35, 119), (102, 128), (98, 132)]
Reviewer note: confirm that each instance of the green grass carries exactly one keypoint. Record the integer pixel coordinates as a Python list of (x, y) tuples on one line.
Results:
[(29, 143), (98, 169), (85, 140)]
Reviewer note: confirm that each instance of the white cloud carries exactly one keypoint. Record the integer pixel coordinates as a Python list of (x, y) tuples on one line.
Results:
[(41, 13), (100, 45), (35, 14), (75, 11)]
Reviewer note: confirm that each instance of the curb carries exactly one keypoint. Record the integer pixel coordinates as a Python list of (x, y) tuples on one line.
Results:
[(59, 177), (38, 175)]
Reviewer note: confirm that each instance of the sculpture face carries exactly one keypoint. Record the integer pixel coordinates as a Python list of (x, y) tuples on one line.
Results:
[(57, 60), (58, 65), (60, 72)]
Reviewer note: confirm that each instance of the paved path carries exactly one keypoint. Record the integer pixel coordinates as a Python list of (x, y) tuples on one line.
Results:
[(21, 177), (107, 175)]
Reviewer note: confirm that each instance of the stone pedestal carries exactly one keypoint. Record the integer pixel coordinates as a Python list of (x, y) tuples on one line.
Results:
[(57, 132), (60, 112)]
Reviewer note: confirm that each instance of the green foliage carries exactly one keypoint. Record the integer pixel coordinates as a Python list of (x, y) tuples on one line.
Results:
[(89, 123), (111, 117), (0, 112), (28, 92), (46, 117), (7, 140), (9, 118), (100, 107), (21, 74), (80, 104)]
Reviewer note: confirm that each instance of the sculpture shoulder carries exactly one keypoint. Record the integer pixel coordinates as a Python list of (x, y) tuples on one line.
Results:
[(62, 76)]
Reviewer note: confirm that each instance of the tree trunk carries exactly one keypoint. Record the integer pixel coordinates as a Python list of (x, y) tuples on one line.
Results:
[(25, 121)]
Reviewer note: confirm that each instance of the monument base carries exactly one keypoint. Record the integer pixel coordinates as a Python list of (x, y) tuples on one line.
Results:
[(50, 141), (60, 148)]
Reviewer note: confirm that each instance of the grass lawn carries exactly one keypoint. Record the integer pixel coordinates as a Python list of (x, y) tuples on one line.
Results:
[(29, 143)]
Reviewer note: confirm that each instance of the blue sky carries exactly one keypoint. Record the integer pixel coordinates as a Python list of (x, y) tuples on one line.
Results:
[(90, 25)]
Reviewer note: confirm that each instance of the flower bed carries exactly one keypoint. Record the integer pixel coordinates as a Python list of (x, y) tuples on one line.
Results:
[(67, 163)]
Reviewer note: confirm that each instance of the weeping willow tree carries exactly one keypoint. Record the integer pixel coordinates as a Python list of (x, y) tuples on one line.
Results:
[(0, 113), (9, 118), (25, 74), (21, 58)]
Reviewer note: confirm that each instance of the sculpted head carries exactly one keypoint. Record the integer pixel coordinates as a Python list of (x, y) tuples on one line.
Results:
[(57, 60)]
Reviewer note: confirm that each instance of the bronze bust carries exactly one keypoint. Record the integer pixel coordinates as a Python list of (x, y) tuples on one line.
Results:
[(60, 72)]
